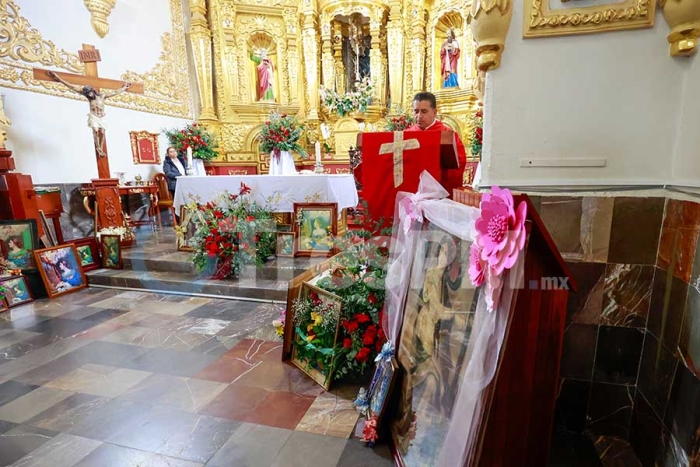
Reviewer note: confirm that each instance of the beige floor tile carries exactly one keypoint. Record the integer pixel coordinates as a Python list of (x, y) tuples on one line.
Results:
[(99, 380), (22, 409)]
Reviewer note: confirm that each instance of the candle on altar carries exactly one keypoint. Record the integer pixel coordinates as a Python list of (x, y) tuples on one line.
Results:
[(189, 157), (318, 152)]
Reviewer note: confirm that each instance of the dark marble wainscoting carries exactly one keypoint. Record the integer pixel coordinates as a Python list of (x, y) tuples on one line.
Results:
[(76, 222)]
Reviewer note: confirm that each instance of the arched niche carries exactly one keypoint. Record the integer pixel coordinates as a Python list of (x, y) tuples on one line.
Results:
[(455, 21)]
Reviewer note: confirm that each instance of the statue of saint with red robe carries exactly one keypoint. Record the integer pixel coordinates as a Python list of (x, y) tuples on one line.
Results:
[(449, 55), (265, 69)]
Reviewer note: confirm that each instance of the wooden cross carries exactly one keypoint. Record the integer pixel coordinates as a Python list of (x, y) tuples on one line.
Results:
[(90, 56), (396, 149)]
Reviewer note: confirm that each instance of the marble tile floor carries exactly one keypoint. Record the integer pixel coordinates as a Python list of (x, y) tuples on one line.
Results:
[(105, 377)]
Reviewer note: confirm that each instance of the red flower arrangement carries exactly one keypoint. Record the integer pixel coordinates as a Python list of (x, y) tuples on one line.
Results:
[(400, 123), (194, 136), (230, 232), (282, 133), (477, 134)]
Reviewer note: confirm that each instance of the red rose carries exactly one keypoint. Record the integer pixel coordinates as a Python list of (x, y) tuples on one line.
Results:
[(378, 345), (350, 326), (372, 298), (362, 318), (368, 339), (250, 218), (347, 343), (363, 354)]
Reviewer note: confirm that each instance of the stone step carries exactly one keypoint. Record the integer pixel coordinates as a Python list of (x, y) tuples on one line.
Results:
[(180, 262), (246, 287)]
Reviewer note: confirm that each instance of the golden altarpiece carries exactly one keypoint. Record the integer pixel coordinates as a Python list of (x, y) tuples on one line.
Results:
[(302, 45)]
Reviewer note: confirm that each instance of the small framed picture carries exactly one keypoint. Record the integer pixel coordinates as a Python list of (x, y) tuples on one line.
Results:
[(50, 235), (284, 228), (88, 252), (316, 225), (17, 291), (285, 244), (111, 251), (381, 386), (18, 240), (186, 230), (60, 270), (317, 324)]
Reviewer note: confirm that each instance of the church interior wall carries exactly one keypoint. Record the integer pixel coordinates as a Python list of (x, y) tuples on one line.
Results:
[(614, 96), (686, 167), (49, 135)]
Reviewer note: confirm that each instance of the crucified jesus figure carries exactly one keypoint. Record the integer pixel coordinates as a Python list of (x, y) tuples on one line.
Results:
[(97, 108)]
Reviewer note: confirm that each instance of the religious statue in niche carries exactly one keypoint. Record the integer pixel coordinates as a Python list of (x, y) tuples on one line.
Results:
[(356, 47), (97, 108), (265, 71), (449, 55)]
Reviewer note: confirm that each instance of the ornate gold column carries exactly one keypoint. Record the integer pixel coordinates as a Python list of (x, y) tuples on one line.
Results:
[(395, 52), (200, 40), (683, 16), (291, 20), (417, 49), (375, 55), (339, 72), (309, 37), (327, 61)]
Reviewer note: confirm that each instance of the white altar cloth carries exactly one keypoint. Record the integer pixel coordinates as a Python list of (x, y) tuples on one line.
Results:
[(278, 192)]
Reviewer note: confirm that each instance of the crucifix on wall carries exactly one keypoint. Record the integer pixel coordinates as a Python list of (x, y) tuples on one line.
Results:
[(89, 86)]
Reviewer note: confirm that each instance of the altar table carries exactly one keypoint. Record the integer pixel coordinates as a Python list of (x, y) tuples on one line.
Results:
[(277, 192)]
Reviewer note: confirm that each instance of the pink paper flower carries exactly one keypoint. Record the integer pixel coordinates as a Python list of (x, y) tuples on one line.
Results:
[(477, 267), (500, 229)]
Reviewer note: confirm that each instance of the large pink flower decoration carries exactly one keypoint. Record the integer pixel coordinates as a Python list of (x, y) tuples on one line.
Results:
[(500, 229)]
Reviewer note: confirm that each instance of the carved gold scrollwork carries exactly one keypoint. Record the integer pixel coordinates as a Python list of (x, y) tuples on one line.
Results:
[(683, 16), (99, 11), (166, 85), (19, 41)]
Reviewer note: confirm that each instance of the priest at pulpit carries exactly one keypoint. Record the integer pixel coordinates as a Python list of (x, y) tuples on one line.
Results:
[(424, 114)]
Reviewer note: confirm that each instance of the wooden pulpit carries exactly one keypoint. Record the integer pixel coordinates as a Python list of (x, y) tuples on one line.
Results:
[(521, 398), (393, 162), (17, 195)]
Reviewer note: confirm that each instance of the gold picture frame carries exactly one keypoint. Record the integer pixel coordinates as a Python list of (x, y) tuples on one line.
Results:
[(144, 147), (542, 21)]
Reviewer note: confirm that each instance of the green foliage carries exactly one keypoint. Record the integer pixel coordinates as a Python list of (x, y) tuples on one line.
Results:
[(194, 136)]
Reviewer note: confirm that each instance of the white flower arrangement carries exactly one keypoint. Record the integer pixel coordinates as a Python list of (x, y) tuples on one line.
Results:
[(121, 231)]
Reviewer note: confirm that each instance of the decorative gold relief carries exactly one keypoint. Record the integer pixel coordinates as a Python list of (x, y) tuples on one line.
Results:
[(541, 20), (683, 16), (490, 20), (23, 47), (99, 11), (20, 42)]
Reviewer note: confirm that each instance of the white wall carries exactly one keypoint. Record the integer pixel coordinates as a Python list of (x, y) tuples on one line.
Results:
[(49, 136), (686, 167), (613, 95)]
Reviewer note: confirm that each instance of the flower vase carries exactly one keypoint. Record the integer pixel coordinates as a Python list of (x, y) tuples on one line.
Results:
[(282, 164), (198, 168)]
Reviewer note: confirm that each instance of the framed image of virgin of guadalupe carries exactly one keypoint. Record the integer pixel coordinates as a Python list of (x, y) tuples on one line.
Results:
[(433, 350)]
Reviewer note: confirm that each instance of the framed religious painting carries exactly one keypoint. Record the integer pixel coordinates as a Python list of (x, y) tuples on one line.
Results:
[(111, 251), (18, 240), (316, 225), (434, 348), (144, 147), (544, 18), (316, 321), (380, 388), (88, 253), (17, 291), (285, 244), (49, 238), (60, 270), (186, 230)]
